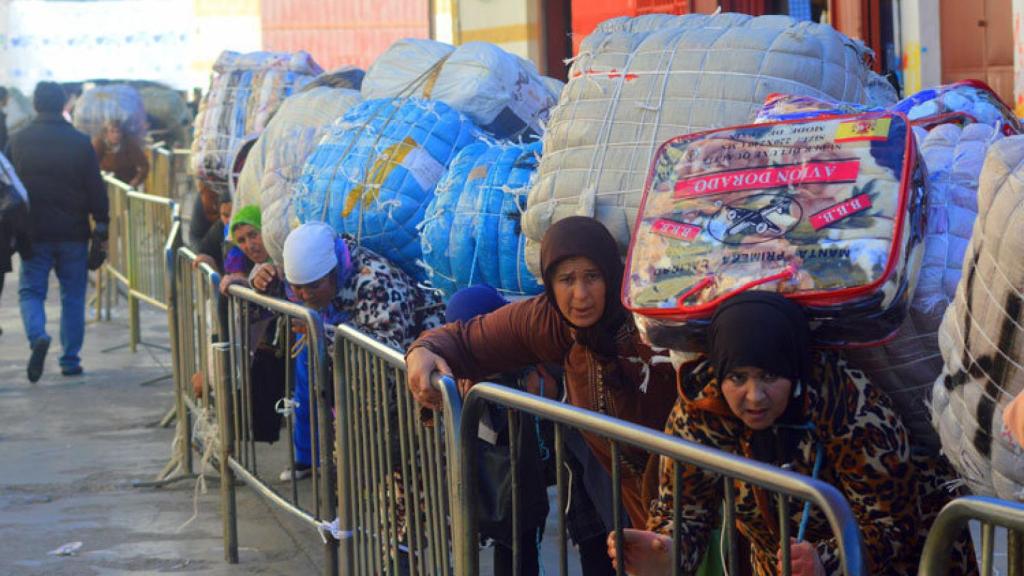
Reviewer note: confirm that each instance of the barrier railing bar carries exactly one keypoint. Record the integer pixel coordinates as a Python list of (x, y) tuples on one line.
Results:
[(729, 525), (783, 505), (563, 487), (513, 434), (620, 569), (289, 393), (826, 497), (988, 535), (953, 519), (677, 512)]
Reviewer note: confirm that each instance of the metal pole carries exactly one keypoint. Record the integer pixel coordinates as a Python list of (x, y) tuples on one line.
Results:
[(563, 488), (341, 433), (221, 352), (133, 303)]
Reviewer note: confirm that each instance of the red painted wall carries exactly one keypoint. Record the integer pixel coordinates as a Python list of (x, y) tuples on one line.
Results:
[(339, 32)]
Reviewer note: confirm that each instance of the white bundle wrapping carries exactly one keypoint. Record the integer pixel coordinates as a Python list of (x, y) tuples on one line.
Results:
[(638, 82), (246, 90), (118, 102), (501, 92), (276, 160), (982, 335)]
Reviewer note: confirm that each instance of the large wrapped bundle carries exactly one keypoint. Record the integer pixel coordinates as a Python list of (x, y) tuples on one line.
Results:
[(471, 233), (638, 82), (19, 110), (168, 113), (374, 172), (954, 157), (827, 211), (981, 336), (503, 93), (964, 102), (906, 366), (276, 160), (118, 102), (245, 92)]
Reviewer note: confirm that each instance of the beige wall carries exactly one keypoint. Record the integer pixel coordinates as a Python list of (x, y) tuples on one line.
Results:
[(515, 25), (922, 49)]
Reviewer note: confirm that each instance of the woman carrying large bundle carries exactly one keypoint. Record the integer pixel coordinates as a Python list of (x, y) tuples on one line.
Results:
[(578, 321), (764, 394)]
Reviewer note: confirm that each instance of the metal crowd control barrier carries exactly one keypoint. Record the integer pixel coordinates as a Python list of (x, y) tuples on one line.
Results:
[(144, 232), (168, 173), (954, 518), (392, 469), (160, 178), (234, 396), (194, 328), (783, 483)]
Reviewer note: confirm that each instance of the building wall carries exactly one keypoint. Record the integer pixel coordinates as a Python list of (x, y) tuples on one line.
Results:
[(74, 41), (515, 25), (1018, 56), (921, 44), (342, 32), (222, 25)]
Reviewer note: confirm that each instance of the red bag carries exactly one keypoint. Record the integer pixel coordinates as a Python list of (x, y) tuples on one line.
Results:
[(829, 212)]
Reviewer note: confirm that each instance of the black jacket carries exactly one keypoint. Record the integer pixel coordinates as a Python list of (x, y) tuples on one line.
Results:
[(58, 166)]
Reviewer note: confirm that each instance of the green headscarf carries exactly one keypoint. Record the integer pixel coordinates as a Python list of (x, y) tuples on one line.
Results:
[(248, 215)]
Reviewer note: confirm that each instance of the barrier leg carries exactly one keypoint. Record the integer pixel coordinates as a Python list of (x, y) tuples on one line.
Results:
[(133, 322), (227, 477)]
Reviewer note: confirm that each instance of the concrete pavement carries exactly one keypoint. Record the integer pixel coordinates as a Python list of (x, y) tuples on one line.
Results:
[(71, 447)]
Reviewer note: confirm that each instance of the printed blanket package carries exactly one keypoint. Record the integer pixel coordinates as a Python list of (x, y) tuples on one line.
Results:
[(829, 212)]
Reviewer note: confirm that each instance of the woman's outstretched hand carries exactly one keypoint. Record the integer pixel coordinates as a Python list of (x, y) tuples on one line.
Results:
[(419, 365), (643, 552), (803, 559)]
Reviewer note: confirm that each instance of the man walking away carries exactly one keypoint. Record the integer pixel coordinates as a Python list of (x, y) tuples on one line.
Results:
[(58, 166)]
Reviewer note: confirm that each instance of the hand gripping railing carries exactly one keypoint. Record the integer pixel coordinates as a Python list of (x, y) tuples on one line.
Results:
[(783, 483), (952, 521), (397, 476)]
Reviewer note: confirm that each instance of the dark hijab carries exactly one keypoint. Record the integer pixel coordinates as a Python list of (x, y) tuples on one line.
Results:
[(581, 236), (768, 331)]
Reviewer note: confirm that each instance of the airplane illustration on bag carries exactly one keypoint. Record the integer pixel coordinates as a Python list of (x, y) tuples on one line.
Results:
[(747, 221)]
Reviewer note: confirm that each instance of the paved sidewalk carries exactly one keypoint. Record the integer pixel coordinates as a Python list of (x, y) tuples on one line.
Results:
[(71, 447)]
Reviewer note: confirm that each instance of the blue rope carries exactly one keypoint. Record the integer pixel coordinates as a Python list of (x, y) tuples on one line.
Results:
[(816, 471), (806, 518)]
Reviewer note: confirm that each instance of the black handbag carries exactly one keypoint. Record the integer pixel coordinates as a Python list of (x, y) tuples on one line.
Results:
[(494, 479)]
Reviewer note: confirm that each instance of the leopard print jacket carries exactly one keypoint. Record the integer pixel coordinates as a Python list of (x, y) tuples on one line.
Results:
[(383, 301), (894, 496)]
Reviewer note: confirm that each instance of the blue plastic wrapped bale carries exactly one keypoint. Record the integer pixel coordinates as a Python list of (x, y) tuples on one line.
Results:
[(436, 228), (473, 231), (375, 170), (964, 102)]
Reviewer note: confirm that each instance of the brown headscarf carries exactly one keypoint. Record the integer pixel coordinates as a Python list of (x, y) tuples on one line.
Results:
[(581, 236)]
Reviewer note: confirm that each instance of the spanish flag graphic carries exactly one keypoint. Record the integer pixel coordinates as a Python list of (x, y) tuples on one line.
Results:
[(863, 129)]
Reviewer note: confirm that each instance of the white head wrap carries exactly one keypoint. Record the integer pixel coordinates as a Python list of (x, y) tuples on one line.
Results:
[(309, 253)]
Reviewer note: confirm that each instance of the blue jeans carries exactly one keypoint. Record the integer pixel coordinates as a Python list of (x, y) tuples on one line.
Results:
[(301, 433), (69, 261)]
